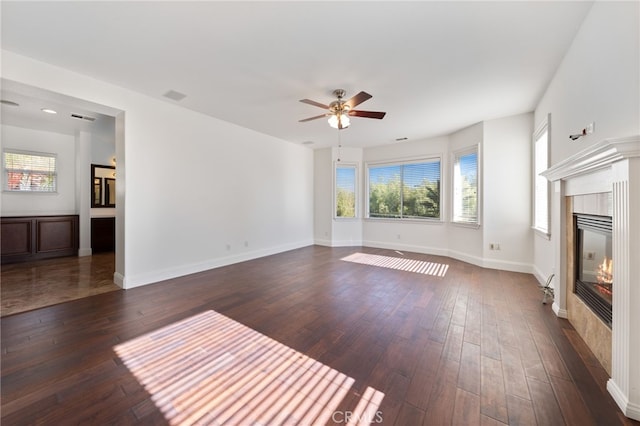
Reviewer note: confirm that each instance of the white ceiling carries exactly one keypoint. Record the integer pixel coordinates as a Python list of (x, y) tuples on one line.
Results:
[(434, 67)]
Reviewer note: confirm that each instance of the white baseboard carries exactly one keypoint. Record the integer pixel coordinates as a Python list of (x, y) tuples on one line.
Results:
[(458, 255), (346, 243), (561, 313), (628, 408), (507, 265), (119, 279), (540, 276), (85, 252), (474, 260), (407, 247), (182, 270)]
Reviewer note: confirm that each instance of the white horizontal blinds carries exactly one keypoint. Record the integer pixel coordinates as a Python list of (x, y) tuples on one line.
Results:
[(465, 188), (408, 190), (541, 190), (346, 191), (421, 190), (30, 172), (385, 191)]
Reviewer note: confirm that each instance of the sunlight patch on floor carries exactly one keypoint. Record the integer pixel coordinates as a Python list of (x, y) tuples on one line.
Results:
[(402, 264), (209, 369)]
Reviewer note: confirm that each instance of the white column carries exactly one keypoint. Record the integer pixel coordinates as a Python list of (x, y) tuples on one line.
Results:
[(624, 384), (83, 190), (559, 237)]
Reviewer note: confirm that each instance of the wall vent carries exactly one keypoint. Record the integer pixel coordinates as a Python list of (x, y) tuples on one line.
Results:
[(82, 117)]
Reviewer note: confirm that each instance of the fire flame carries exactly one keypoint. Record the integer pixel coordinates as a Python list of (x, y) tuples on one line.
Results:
[(605, 276), (605, 271)]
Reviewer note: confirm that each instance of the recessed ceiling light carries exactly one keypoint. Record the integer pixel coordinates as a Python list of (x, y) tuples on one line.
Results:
[(10, 103), (49, 110)]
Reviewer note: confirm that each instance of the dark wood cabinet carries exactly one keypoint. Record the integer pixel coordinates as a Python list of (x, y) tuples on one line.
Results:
[(38, 237), (103, 234)]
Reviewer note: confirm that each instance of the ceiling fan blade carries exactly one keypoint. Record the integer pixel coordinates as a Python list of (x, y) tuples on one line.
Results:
[(367, 114), (314, 118), (358, 99), (314, 103)]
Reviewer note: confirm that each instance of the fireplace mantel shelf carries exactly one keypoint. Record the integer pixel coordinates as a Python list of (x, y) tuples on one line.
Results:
[(595, 157)]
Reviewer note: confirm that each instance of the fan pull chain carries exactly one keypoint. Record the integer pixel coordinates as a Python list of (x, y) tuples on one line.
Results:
[(339, 146)]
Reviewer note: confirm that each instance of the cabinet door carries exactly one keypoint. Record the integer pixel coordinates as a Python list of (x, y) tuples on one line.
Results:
[(103, 234)]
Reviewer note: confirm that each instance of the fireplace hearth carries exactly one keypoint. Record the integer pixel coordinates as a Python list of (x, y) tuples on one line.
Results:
[(594, 260)]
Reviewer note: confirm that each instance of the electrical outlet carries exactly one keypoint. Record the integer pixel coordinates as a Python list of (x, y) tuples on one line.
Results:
[(491, 246), (590, 128), (398, 236), (228, 247), (246, 243), (590, 255), (496, 246)]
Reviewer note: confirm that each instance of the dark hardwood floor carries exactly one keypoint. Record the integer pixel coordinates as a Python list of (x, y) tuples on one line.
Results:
[(475, 346)]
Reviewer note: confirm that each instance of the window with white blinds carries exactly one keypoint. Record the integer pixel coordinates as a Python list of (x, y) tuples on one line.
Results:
[(465, 186), (345, 191), (541, 184), (29, 172), (408, 190)]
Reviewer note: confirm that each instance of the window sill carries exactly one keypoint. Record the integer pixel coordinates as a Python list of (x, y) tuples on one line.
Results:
[(6, 191), (390, 220), (542, 234), (346, 219), (466, 225)]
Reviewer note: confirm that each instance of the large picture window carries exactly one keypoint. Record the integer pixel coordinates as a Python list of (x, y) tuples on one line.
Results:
[(345, 191), (409, 190), (29, 172), (541, 184), (465, 186)]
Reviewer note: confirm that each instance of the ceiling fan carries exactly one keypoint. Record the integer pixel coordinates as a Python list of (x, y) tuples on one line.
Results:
[(340, 110)]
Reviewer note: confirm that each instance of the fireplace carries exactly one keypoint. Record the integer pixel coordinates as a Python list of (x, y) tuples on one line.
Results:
[(594, 260), (611, 166)]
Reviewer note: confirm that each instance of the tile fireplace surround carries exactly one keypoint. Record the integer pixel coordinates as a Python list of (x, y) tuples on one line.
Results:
[(610, 166)]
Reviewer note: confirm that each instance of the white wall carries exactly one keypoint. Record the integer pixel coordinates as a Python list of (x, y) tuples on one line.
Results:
[(61, 202), (465, 242), (328, 230), (322, 172), (597, 81), (103, 151), (506, 192), (197, 192)]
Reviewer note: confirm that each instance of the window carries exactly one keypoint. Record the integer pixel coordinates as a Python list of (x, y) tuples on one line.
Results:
[(405, 191), (29, 172), (345, 191), (465, 186), (541, 184)]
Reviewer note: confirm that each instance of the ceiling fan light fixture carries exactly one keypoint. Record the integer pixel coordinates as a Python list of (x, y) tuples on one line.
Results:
[(336, 120)]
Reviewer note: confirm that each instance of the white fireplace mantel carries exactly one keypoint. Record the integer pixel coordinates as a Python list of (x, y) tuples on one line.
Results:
[(595, 157), (613, 166)]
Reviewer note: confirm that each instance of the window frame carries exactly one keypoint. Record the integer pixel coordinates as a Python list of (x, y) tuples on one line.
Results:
[(5, 171), (540, 131), (402, 162), (345, 165), (456, 155)]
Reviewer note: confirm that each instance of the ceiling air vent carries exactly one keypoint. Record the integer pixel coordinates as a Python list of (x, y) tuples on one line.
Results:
[(82, 117), (176, 96)]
